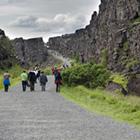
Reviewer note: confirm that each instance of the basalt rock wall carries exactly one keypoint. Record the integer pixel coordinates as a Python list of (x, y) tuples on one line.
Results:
[(113, 34), (31, 51)]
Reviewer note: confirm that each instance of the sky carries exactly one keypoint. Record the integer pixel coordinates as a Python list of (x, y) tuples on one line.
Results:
[(44, 18)]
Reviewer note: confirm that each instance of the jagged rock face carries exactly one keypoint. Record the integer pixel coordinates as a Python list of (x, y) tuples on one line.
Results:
[(113, 29), (31, 51), (134, 85)]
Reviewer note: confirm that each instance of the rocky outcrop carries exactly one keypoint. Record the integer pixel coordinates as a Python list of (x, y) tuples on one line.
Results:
[(115, 87), (7, 58), (114, 31), (31, 51), (134, 85)]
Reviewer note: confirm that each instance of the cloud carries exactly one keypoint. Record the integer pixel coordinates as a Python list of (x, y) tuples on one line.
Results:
[(5, 2), (24, 22), (30, 18), (60, 23)]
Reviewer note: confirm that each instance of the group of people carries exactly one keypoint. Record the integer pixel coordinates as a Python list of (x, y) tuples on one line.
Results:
[(29, 79)]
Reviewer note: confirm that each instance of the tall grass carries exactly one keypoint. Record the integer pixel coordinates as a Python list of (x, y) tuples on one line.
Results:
[(117, 106)]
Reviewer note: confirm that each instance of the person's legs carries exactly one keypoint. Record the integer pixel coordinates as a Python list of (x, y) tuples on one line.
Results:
[(31, 86), (41, 87), (44, 87), (6, 88), (57, 87), (24, 85)]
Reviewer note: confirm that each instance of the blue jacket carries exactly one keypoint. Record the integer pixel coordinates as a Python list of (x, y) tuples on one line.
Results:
[(6, 82)]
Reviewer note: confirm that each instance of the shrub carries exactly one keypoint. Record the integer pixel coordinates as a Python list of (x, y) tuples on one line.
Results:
[(48, 71), (89, 75)]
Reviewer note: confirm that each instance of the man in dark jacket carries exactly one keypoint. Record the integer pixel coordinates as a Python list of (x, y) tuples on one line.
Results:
[(32, 80), (43, 81)]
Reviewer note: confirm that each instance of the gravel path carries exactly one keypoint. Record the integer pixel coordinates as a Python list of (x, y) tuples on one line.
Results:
[(48, 116)]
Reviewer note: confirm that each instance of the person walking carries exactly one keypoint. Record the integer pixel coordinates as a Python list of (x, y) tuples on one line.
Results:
[(43, 81), (52, 70), (24, 79), (58, 79), (32, 80), (6, 81)]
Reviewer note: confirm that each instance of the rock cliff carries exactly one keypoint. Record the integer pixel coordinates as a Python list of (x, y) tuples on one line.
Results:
[(112, 37), (31, 51)]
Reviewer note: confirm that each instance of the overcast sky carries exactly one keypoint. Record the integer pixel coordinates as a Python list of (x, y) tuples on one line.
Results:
[(44, 18)]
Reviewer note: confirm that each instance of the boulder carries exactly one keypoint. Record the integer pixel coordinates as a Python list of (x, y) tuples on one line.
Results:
[(134, 84), (114, 87)]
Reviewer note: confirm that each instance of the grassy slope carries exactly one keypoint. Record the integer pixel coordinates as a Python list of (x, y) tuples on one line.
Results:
[(118, 107)]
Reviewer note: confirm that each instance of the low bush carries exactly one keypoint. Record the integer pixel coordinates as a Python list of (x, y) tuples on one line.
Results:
[(89, 75)]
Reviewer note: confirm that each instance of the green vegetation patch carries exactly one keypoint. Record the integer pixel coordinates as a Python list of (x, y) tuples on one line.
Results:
[(136, 21), (89, 75), (48, 71), (132, 62), (15, 72), (119, 79), (125, 46), (118, 107)]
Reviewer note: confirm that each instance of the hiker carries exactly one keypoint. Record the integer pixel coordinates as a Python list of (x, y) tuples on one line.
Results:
[(52, 70), (58, 79), (32, 80), (43, 80), (24, 79), (6, 81)]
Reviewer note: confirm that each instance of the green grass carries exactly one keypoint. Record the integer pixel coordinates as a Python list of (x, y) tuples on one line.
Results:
[(15, 72), (118, 107), (126, 46), (136, 21)]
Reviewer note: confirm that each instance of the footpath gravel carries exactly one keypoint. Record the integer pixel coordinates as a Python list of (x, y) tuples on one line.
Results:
[(48, 116)]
